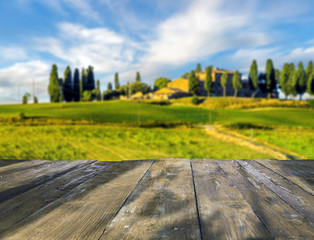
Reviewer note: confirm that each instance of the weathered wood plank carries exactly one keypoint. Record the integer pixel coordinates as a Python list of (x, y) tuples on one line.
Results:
[(223, 211), (33, 200), (161, 206), (41, 173), (299, 172), (11, 172), (85, 211), (280, 219), (292, 194), (7, 162)]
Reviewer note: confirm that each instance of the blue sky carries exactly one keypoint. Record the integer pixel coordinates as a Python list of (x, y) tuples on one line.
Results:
[(156, 37)]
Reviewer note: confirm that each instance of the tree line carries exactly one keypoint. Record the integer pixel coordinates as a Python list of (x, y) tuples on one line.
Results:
[(82, 87), (292, 80)]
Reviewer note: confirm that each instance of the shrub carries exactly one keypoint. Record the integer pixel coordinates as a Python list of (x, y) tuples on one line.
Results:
[(195, 100), (22, 115)]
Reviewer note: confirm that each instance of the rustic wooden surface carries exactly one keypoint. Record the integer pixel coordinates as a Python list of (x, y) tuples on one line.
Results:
[(157, 199)]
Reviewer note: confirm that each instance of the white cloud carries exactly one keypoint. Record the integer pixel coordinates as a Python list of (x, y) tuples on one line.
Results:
[(102, 48), (203, 29), (20, 77), (12, 53)]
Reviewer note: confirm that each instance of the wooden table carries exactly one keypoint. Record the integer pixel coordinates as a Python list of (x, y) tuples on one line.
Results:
[(157, 199)]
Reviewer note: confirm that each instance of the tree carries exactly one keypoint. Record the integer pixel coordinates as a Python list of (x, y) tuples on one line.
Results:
[(54, 87), (25, 98), (161, 83), (310, 83), (223, 82), (138, 77), (135, 87), (87, 96), (236, 82), (253, 77), (116, 81), (90, 78), (98, 92), (284, 80), (208, 80), (198, 68), (194, 83), (309, 69), (67, 85), (83, 82), (299, 80), (270, 77), (35, 100), (76, 86), (292, 89), (109, 86), (185, 75), (262, 82), (277, 75)]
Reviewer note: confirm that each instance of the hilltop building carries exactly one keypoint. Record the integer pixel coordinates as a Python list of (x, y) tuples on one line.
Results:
[(180, 87), (168, 93)]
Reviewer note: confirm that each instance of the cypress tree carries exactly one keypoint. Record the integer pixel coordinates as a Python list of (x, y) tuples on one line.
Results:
[(253, 77), (116, 81), (35, 100), (138, 77), (54, 87), (83, 83), (25, 98), (310, 83), (277, 76), (198, 68), (284, 80), (90, 78), (109, 86), (194, 83), (223, 82), (236, 82), (208, 80), (299, 80), (76, 86), (67, 85), (270, 77), (98, 92), (309, 69), (292, 87)]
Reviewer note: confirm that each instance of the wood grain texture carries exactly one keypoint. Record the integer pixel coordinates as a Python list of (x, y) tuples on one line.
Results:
[(280, 218), (6, 162), (84, 212), (223, 211), (162, 206), (156, 199), (291, 193), (23, 178), (300, 172), (31, 201)]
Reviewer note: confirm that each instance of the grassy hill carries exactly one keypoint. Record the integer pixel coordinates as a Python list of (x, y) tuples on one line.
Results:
[(133, 112), (119, 130)]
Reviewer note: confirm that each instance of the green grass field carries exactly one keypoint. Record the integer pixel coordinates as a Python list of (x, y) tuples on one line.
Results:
[(299, 140), (114, 143), (107, 131), (128, 112)]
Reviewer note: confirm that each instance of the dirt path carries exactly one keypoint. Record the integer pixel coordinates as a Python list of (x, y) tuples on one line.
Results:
[(251, 143)]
